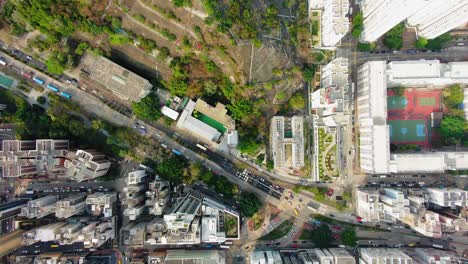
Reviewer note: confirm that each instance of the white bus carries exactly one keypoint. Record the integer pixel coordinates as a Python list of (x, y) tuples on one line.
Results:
[(201, 147)]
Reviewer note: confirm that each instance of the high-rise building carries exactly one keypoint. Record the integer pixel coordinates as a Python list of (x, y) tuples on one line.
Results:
[(157, 196), (135, 193), (8, 212), (42, 157), (72, 205), (287, 142), (383, 255), (448, 197), (430, 18), (331, 101), (101, 203), (40, 207), (86, 165), (333, 24)]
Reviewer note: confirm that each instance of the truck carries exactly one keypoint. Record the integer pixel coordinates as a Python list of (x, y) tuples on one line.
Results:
[(53, 88), (296, 211), (65, 95), (3, 62), (316, 222), (38, 80)]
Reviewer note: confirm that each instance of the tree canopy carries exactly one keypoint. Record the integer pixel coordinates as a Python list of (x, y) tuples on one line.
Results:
[(452, 128), (421, 43), (349, 237), (171, 169), (439, 42), (249, 204), (297, 101), (308, 72), (453, 96), (147, 108), (394, 38), (322, 236)]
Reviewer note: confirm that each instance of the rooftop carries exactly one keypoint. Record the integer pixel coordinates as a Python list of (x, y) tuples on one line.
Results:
[(122, 82)]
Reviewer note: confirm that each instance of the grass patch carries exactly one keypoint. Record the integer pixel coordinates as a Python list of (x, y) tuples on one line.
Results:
[(306, 234), (319, 196), (231, 226), (258, 219), (279, 232)]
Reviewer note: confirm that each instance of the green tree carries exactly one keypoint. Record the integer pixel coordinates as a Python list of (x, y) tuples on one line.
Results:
[(182, 3), (82, 47), (41, 99), (357, 25), (178, 86), (394, 37), (453, 96), (421, 43), (366, 46), (147, 108), (297, 101), (452, 128), (322, 236), (308, 72), (248, 146), (57, 62), (241, 109), (171, 169), (349, 237), (249, 204), (439, 42)]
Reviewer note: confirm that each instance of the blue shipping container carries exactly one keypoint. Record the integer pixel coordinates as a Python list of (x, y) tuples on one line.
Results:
[(38, 80), (52, 87), (64, 94), (175, 151)]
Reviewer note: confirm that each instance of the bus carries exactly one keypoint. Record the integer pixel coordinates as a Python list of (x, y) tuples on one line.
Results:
[(437, 246), (201, 147), (38, 80), (53, 88), (175, 151), (65, 95), (223, 246)]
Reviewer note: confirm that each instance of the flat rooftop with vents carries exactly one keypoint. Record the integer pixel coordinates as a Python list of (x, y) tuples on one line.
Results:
[(120, 81)]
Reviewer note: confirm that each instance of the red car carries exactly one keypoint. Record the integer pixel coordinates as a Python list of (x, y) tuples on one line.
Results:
[(329, 192), (358, 218)]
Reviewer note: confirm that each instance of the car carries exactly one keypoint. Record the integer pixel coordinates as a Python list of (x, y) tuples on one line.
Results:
[(28, 58), (332, 215), (290, 203)]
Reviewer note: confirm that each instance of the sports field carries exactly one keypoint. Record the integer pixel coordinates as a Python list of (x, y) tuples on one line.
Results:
[(408, 131), (409, 115), (5, 81)]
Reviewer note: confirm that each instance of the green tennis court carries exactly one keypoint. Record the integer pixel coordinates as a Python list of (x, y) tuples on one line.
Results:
[(397, 102), (408, 130), (427, 101), (5, 81)]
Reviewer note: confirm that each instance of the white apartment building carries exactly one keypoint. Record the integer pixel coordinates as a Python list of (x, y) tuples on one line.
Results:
[(374, 77), (334, 20), (430, 18), (383, 255), (157, 196), (420, 73), (135, 194), (448, 197), (372, 118), (86, 165), (287, 142), (332, 100), (439, 16), (394, 206)]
